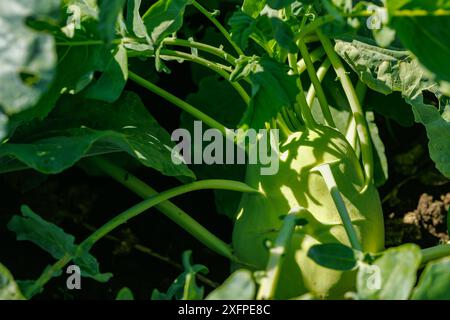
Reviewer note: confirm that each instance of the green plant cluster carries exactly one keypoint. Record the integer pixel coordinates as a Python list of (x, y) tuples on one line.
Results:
[(309, 68)]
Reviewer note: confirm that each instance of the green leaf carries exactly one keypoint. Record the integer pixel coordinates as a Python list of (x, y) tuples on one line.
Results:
[(134, 21), (125, 294), (425, 36), (253, 7), (392, 276), (184, 287), (27, 57), (242, 27), (333, 256), (272, 90), (9, 290), (387, 71), (54, 240), (46, 235), (438, 132), (263, 30), (214, 98), (89, 267), (79, 128), (381, 69), (110, 10), (164, 18), (108, 87), (434, 283), (238, 286)]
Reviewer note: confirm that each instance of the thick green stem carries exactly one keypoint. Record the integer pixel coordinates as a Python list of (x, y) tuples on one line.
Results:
[(332, 186), (277, 253), (316, 83), (321, 72), (216, 67), (219, 26), (47, 275), (157, 199), (173, 212), (218, 52), (357, 111), (315, 56), (179, 103), (122, 218), (304, 111), (435, 253)]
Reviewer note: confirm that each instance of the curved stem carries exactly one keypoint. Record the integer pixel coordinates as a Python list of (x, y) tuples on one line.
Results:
[(321, 72), (315, 56), (169, 209), (304, 111), (327, 174), (358, 113), (157, 199), (218, 52), (122, 218), (179, 103), (47, 275), (216, 67), (434, 253), (316, 84), (277, 254), (225, 33)]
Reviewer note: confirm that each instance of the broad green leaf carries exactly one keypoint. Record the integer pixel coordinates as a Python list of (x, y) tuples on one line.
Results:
[(387, 71), (125, 294), (242, 27), (108, 87), (253, 7), (164, 18), (438, 132), (9, 290), (184, 287), (434, 283), (272, 90), (110, 10), (79, 127), (333, 256), (46, 235), (381, 69), (425, 36), (263, 30), (238, 286), (27, 57), (54, 240), (392, 276), (214, 98)]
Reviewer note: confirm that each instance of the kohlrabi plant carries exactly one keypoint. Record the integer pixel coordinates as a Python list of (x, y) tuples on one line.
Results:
[(72, 76)]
